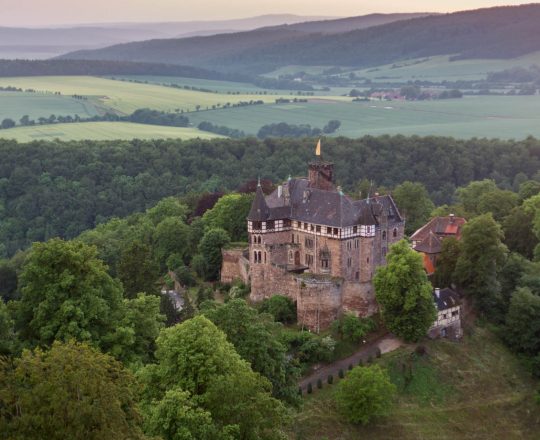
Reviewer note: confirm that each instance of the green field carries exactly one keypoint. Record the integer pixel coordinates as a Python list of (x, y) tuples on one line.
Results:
[(14, 105), (436, 68), (485, 116), (126, 97), (475, 389), (102, 131)]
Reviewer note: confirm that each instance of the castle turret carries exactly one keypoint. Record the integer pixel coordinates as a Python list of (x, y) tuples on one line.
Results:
[(259, 209), (321, 175)]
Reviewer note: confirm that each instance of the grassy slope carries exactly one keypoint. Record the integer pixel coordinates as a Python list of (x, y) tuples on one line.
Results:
[(125, 96), (14, 105), (102, 131), (489, 116), (472, 390)]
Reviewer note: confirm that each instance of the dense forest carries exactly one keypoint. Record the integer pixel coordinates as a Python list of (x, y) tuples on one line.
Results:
[(50, 189), (504, 32)]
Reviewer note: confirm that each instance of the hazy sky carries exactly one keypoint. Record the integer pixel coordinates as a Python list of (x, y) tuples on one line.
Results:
[(47, 12)]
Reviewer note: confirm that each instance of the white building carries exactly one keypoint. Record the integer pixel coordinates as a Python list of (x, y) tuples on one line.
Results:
[(448, 322)]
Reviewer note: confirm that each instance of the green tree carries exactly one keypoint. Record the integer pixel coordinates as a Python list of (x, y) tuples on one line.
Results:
[(351, 328), (254, 338), (499, 202), (137, 270), (8, 340), (68, 294), (532, 207), (210, 250), (523, 322), (171, 237), (470, 194), (282, 308), (7, 123), (482, 255), (528, 189), (366, 393), (196, 358), (518, 232), (166, 208), (8, 281), (446, 262), (230, 213), (404, 293), (71, 391), (414, 204)]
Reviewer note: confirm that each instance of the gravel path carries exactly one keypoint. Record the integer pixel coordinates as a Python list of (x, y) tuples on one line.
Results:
[(385, 344)]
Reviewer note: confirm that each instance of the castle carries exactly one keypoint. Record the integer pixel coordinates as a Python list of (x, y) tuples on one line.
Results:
[(314, 244)]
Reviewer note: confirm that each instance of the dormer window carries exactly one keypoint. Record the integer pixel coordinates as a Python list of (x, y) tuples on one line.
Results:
[(257, 225)]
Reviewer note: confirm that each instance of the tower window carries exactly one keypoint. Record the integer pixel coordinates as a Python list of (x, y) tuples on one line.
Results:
[(329, 231), (384, 235), (270, 224), (394, 233)]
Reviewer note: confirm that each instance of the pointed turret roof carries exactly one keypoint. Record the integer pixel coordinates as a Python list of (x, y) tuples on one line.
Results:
[(259, 209)]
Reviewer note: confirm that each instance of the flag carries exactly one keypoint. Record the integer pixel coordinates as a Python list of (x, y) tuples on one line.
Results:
[(318, 149)]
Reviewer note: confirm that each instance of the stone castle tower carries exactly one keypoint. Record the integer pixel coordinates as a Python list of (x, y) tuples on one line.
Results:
[(311, 242)]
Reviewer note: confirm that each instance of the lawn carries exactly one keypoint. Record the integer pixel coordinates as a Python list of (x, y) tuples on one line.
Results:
[(485, 116), (125, 97), (102, 131), (475, 389), (14, 105)]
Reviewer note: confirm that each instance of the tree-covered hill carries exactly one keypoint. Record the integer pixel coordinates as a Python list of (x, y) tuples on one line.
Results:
[(502, 32), (50, 189)]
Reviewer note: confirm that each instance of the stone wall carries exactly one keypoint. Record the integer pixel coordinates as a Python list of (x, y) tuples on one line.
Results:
[(234, 266)]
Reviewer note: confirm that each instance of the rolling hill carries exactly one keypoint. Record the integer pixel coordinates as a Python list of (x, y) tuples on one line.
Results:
[(502, 32)]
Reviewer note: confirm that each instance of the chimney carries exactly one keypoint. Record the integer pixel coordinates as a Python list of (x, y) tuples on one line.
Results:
[(452, 218), (437, 292), (279, 191)]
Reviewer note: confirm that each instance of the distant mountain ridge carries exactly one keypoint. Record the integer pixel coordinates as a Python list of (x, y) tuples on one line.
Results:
[(61, 39), (501, 32)]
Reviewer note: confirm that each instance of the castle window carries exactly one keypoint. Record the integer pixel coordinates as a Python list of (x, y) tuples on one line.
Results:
[(257, 225), (309, 260), (318, 229), (305, 226), (259, 257), (367, 260), (355, 229), (384, 252), (356, 243), (384, 235), (298, 224), (324, 263), (270, 224), (357, 276), (311, 227), (394, 233), (290, 256), (349, 245), (292, 239), (309, 243), (287, 223), (329, 231), (455, 313), (336, 231), (265, 258), (349, 262)]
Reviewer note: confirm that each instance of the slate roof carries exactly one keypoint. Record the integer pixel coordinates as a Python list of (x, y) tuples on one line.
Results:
[(440, 226), (447, 299), (259, 209), (431, 245), (298, 201)]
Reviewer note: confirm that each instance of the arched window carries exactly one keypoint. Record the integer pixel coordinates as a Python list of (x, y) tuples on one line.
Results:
[(260, 257), (394, 233), (255, 256), (265, 258), (384, 235)]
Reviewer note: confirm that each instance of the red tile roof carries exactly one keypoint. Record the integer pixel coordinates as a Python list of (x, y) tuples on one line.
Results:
[(440, 226)]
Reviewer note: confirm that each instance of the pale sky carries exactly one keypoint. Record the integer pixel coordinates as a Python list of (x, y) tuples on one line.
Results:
[(48, 12)]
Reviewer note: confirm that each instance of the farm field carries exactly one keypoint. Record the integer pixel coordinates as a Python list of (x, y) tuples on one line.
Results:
[(435, 68), (475, 389), (102, 131), (14, 105), (484, 116), (126, 97)]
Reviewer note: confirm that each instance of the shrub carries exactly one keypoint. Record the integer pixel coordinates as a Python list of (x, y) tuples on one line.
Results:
[(309, 388), (282, 308), (319, 383), (366, 393), (370, 359), (353, 329), (350, 367), (360, 362), (299, 391), (330, 379)]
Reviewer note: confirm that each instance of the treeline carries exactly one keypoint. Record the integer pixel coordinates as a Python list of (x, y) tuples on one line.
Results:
[(139, 116), (221, 129), (282, 129), (516, 75), (50, 189)]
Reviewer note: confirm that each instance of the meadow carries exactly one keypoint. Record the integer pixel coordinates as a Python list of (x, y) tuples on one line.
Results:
[(479, 116), (14, 105), (102, 131), (475, 389), (125, 97)]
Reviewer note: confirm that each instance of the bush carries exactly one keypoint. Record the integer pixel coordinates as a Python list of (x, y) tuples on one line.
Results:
[(282, 308), (309, 388), (350, 367), (360, 362), (330, 379), (353, 329), (366, 393), (369, 360), (319, 383), (299, 391), (341, 374)]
